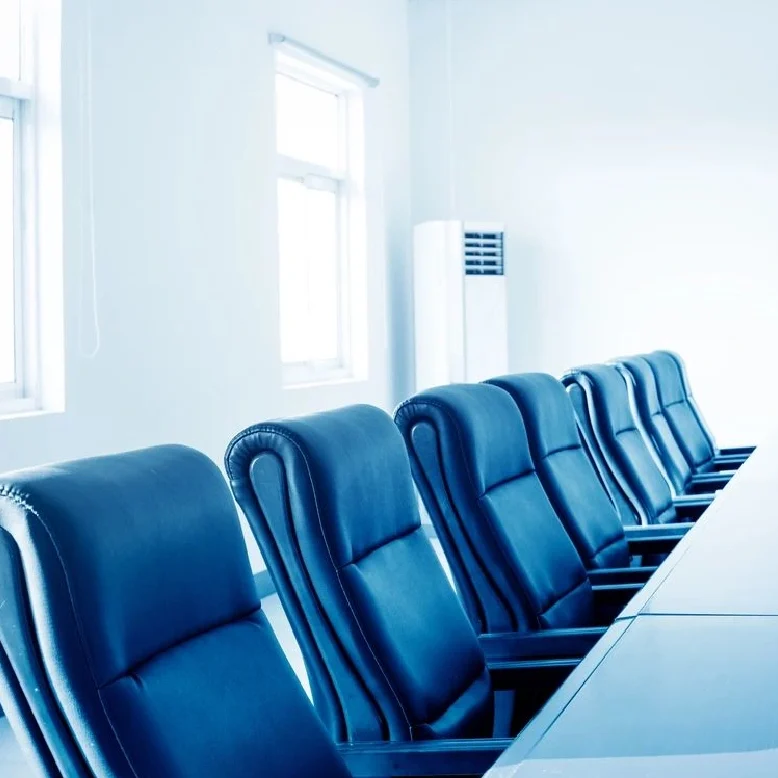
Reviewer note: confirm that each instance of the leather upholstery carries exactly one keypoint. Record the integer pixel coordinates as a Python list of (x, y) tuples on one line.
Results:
[(625, 507), (21, 670), (568, 476), (687, 390), (677, 410), (389, 651), (620, 442), (655, 424), (156, 654), (512, 559)]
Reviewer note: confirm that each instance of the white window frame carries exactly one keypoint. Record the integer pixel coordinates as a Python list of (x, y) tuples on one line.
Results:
[(339, 180), (17, 104)]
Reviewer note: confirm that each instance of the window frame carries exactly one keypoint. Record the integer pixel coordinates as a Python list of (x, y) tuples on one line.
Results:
[(339, 181), (21, 395)]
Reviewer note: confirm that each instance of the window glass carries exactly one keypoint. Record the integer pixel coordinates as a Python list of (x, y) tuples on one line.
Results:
[(307, 122), (309, 272), (9, 39), (7, 366)]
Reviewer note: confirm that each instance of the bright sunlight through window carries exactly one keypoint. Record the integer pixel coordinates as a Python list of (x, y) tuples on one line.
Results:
[(316, 185)]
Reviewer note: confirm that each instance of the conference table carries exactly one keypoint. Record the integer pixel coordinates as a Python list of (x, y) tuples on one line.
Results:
[(685, 682)]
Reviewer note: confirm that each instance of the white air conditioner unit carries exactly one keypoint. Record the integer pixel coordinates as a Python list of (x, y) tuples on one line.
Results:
[(460, 302)]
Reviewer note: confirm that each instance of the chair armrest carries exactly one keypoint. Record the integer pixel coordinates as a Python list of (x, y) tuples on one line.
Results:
[(620, 575), (655, 540), (520, 676), (727, 464), (693, 500), (705, 484), (728, 461), (611, 600), (743, 451), (650, 531), (718, 479), (690, 507), (430, 757), (540, 644)]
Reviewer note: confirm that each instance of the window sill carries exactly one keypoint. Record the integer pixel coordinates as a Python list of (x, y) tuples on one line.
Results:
[(8, 414)]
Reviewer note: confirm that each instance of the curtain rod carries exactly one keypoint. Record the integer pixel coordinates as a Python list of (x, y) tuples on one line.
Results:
[(283, 41)]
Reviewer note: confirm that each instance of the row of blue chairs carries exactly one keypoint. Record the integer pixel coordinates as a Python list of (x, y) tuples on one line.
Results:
[(132, 640)]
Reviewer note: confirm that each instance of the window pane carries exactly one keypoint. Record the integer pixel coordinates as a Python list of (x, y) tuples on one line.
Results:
[(309, 273), (307, 122), (9, 39), (7, 367)]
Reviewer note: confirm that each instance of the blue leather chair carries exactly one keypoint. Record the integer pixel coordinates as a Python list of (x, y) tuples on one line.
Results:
[(622, 448), (628, 513), (684, 419), (679, 473), (514, 563), (574, 488), (143, 650), (733, 451), (388, 649)]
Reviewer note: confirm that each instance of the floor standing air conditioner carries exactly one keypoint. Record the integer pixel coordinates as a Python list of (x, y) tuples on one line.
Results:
[(460, 302)]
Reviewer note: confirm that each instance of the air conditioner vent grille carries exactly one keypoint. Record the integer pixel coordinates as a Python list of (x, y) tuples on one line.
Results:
[(484, 254)]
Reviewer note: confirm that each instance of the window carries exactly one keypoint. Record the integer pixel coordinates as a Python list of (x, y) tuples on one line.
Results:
[(14, 111), (319, 142), (32, 368)]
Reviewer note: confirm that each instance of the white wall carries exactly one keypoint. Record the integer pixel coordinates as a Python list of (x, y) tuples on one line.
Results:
[(185, 219), (632, 150)]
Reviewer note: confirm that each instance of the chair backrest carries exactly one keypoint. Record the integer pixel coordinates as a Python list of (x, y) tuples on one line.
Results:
[(621, 443), (625, 504), (148, 626), (51, 749), (566, 472), (507, 548), (386, 643), (687, 388), (690, 434), (654, 422)]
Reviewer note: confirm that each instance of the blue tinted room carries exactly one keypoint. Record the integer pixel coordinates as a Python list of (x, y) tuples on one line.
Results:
[(386, 388)]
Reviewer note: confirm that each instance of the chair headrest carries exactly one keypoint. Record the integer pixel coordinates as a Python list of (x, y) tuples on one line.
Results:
[(608, 393), (486, 424), (353, 463), (546, 410), (645, 384), (668, 378)]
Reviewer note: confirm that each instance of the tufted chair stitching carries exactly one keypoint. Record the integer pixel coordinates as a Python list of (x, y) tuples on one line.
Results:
[(23, 501), (561, 597), (365, 554), (607, 545), (132, 671), (505, 482), (561, 450)]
